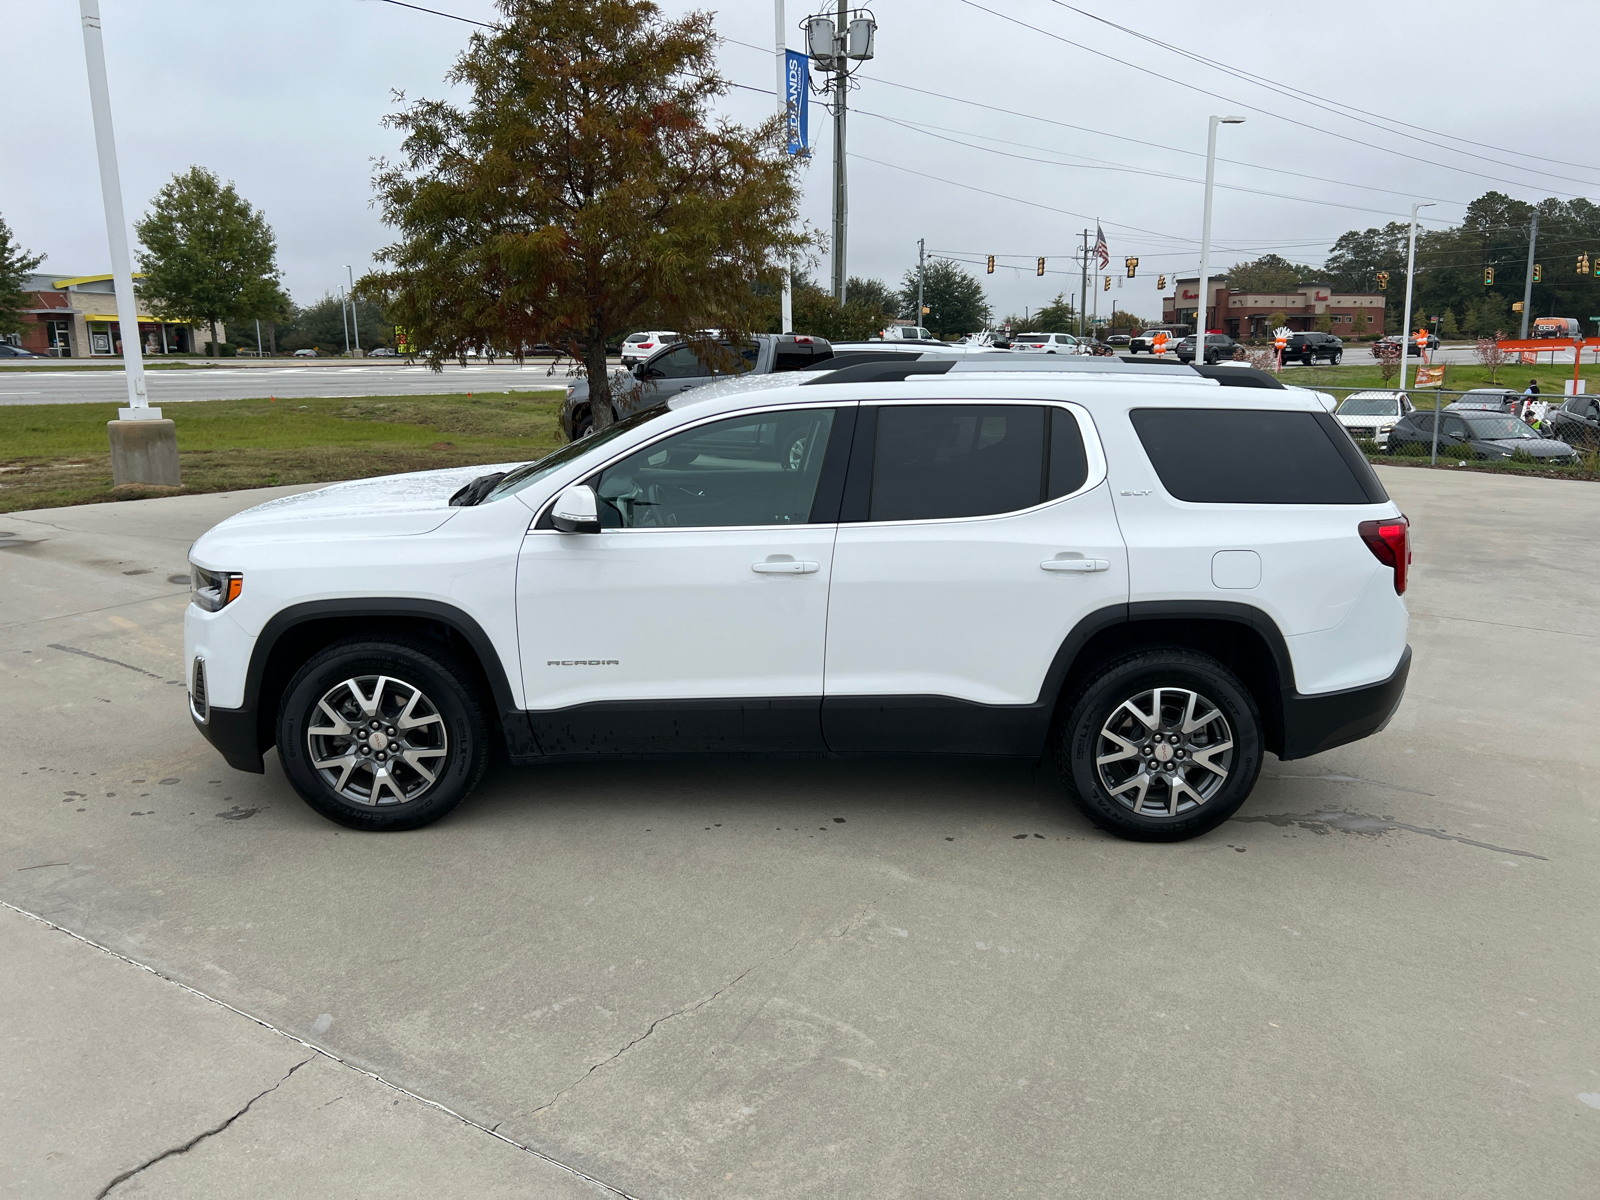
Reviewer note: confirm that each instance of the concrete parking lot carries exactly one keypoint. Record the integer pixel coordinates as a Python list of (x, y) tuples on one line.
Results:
[(810, 978)]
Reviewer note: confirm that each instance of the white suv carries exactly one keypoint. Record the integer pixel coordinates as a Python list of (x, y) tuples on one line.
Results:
[(1152, 573)]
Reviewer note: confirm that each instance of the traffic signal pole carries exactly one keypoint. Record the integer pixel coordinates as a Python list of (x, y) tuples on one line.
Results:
[(1527, 283)]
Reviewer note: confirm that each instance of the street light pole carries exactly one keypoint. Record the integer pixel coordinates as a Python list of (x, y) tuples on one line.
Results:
[(345, 320), (116, 225), (921, 259), (1527, 282), (1205, 235), (841, 190), (352, 275), (1405, 328)]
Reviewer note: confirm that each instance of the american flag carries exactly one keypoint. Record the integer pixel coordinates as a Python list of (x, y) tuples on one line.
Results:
[(1100, 246)]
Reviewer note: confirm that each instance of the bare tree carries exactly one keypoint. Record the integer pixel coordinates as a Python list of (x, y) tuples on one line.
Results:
[(1490, 355)]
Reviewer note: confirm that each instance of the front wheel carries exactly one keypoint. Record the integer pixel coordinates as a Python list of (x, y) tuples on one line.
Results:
[(383, 734), (1338, 357), (1160, 746)]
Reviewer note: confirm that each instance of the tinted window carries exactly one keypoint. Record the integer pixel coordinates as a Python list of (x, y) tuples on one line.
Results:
[(791, 356), (677, 363), (754, 470), (1230, 456), (1069, 466), (956, 460)]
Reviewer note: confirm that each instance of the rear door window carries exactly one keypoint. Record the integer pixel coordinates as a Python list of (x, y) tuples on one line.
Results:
[(1237, 456), (943, 461)]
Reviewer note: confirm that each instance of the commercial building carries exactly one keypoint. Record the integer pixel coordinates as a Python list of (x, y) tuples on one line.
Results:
[(1245, 314), (76, 317)]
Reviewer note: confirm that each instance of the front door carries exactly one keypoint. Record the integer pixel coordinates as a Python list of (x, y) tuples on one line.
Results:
[(695, 619), (975, 538)]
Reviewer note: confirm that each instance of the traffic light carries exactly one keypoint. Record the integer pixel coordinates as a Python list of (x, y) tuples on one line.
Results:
[(1040, 271), (1583, 264), (1161, 283), (1132, 264), (1107, 287), (1537, 272), (991, 264), (1488, 277), (1383, 281)]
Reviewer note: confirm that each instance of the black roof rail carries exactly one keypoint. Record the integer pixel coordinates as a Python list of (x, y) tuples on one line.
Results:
[(851, 358), (1251, 377), (891, 370)]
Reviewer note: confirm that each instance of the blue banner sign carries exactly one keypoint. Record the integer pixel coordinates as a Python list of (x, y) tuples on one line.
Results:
[(797, 89)]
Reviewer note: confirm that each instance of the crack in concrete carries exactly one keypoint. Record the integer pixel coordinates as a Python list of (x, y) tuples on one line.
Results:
[(328, 1054), (199, 1137), (688, 1008), (1349, 822), (102, 658)]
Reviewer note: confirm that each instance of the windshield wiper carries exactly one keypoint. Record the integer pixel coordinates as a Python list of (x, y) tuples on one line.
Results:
[(475, 491)]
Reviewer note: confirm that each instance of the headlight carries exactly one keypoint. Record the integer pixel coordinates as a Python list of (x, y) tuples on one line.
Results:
[(212, 590)]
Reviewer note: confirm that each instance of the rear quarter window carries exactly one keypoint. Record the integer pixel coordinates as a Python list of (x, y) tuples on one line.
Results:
[(1238, 456)]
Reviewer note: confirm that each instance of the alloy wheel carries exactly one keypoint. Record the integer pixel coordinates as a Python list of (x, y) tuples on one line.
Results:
[(381, 741), (1164, 752)]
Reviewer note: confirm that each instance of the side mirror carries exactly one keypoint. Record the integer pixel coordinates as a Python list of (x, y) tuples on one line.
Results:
[(576, 510), (637, 370)]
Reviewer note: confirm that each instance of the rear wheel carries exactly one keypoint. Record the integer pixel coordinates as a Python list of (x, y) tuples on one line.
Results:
[(1160, 746), (383, 734)]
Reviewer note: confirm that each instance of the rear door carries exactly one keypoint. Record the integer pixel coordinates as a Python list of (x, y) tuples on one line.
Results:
[(974, 537)]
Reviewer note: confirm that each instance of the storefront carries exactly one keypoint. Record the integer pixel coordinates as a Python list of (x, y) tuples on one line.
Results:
[(155, 337)]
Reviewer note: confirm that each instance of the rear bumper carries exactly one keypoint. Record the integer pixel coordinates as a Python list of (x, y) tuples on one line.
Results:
[(233, 732), (1312, 724)]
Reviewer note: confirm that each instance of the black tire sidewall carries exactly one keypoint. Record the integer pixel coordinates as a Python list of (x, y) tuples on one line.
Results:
[(1076, 743), (442, 680)]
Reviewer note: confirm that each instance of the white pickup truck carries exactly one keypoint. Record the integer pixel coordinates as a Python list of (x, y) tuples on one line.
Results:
[(1144, 343)]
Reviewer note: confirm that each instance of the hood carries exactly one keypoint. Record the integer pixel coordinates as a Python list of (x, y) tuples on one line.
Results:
[(387, 506), (1536, 448)]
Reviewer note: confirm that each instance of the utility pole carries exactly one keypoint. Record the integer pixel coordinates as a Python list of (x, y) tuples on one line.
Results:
[(841, 191), (1083, 283), (1527, 283), (782, 43), (834, 45), (1405, 325), (920, 260), (352, 275)]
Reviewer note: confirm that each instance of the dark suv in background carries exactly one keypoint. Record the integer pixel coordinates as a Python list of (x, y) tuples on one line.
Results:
[(1576, 422), (1219, 348), (1308, 347)]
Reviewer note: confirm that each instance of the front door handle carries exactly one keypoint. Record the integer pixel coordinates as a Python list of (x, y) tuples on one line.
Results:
[(1082, 566), (787, 566)]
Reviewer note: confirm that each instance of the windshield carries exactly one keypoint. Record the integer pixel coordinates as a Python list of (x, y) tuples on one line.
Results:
[(531, 473), (1498, 429), (1369, 407)]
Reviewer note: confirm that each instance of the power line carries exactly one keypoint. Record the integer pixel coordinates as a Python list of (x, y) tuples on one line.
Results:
[(440, 13), (1291, 92), (1253, 108)]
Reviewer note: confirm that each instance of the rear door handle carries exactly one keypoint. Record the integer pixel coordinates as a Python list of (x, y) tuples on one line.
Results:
[(1082, 566), (785, 567)]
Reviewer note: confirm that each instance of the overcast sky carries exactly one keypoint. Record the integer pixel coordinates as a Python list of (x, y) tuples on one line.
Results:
[(286, 99)]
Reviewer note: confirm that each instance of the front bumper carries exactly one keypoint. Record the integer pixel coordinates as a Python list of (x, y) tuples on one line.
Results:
[(1312, 724)]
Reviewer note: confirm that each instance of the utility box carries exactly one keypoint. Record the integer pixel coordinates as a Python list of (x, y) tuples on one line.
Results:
[(144, 452)]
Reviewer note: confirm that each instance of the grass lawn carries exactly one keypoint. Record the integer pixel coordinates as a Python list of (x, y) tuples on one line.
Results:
[(1457, 377), (58, 454)]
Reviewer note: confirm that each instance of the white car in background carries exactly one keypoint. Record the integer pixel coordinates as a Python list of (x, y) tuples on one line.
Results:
[(637, 347), (1373, 414), (1048, 343)]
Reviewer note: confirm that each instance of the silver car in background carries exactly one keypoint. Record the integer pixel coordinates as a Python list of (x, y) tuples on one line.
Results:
[(1373, 415)]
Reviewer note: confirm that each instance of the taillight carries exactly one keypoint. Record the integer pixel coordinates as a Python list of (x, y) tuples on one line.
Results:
[(1390, 543), (646, 345)]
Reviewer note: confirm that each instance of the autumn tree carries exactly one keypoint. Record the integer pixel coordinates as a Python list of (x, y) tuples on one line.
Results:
[(1269, 273), (207, 255), (581, 190), (15, 265)]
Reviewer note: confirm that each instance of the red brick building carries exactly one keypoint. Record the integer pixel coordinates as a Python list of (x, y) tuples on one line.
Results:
[(76, 317), (1244, 315)]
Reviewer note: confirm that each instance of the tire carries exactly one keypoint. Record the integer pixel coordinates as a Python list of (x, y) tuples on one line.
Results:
[(331, 707), (1308, 360), (1100, 720), (1338, 356)]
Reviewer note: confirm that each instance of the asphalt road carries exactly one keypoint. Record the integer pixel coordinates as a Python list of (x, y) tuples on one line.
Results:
[(65, 385), (897, 978)]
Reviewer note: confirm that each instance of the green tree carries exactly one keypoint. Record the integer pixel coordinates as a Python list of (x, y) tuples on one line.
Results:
[(1058, 316), (1361, 324), (585, 188), (324, 326), (1358, 256), (207, 255), (15, 266), (953, 296), (816, 312), (1448, 327), (1269, 273), (873, 293), (1325, 322)]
